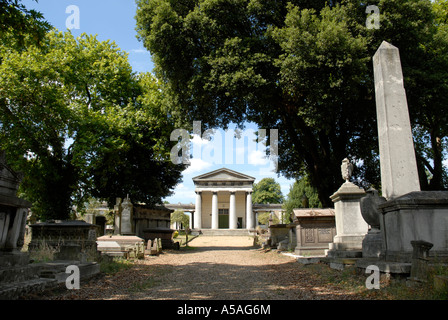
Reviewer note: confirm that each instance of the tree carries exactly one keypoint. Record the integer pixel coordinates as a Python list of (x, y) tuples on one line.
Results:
[(20, 26), (88, 125), (267, 191), (301, 195), (430, 118), (181, 218), (303, 67)]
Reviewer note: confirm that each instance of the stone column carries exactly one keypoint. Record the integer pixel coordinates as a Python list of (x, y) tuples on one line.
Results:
[(249, 213), (399, 173), (15, 230), (191, 225), (198, 211), (233, 221), (4, 227), (215, 218)]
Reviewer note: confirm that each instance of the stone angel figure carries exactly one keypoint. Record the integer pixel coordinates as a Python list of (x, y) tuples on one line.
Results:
[(346, 169)]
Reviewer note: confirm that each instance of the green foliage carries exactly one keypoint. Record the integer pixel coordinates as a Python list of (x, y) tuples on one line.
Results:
[(88, 125), (19, 26), (301, 195), (115, 265), (180, 217), (263, 218), (267, 191)]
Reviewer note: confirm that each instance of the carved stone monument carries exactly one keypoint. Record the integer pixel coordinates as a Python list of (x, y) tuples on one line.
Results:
[(399, 173), (350, 226)]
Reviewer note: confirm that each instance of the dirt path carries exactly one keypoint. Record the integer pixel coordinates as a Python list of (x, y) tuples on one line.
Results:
[(224, 268)]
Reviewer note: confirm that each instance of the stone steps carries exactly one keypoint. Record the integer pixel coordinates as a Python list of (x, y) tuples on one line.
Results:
[(18, 274), (13, 291), (226, 232)]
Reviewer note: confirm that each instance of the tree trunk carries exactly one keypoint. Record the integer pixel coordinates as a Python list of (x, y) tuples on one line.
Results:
[(436, 183)]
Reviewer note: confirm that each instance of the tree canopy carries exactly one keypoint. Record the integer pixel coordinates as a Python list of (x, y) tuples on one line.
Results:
[(301, 195), (267, 191), (88, 125), (20, 26), (304, 67)]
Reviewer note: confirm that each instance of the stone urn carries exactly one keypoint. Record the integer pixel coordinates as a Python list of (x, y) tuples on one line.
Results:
[(369, 208)]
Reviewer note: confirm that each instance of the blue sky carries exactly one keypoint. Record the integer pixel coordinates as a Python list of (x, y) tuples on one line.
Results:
[(114, 20)]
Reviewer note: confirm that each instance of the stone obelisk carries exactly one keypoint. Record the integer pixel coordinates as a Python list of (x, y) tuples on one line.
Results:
[(399, 173)]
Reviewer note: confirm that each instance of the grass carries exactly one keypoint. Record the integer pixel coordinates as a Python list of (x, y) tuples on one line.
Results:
[(352, 280), (115, 265), (140, 286)]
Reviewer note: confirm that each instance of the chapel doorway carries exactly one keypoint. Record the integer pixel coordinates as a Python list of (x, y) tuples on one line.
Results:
[(223, 218)]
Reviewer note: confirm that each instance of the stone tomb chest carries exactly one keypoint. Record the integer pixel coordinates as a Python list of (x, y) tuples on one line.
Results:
[(154, 223), (55, 233), (315, 229)]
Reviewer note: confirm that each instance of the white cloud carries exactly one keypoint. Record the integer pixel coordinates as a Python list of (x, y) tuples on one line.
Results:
[(197, 140), (258, 158), (197, 165), (141, 50)]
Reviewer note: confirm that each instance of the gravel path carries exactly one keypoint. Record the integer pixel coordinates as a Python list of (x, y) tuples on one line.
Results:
[(216, 268)]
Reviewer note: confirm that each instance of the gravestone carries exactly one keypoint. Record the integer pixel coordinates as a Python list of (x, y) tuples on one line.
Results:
[(117, 217), (350, 226), (127, 223), (420, 255)]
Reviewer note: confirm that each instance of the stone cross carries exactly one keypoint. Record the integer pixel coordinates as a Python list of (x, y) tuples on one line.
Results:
[(399, 173)]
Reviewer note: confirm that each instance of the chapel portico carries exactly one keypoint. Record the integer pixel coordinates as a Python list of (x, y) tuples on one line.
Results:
[(223, 200)]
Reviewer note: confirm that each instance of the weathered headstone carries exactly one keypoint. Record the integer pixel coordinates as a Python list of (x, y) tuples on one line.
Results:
[(420, 255), (399, 173), (127, 217), (117, 216)]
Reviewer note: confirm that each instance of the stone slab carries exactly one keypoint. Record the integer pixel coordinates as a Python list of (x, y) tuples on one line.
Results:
[(308, 260), (14, 291), (386, 266)]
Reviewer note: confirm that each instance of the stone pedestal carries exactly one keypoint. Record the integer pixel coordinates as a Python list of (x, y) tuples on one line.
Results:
[(350, 226)]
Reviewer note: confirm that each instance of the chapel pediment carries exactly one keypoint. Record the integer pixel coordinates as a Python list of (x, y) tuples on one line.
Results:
[(223, 175)]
